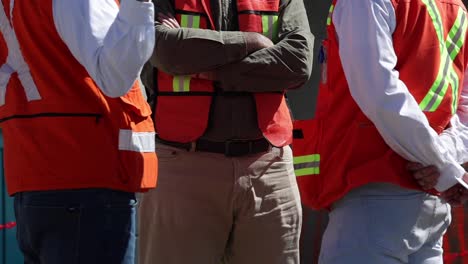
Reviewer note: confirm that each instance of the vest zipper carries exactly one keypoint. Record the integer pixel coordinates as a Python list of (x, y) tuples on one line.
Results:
[(95, 115)]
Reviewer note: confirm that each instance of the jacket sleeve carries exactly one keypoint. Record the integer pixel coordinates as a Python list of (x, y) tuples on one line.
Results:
[(111, 43), (455, 137), (184, 51), (286, 65)]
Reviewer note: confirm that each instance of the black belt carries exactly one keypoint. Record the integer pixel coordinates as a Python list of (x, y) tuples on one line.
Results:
[(230, 148)]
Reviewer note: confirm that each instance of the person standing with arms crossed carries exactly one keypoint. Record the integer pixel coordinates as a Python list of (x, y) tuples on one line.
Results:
[(78, 134), (227, 189), (393, 90)]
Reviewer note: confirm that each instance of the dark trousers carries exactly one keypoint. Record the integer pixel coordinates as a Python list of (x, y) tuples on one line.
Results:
[(84, 226)]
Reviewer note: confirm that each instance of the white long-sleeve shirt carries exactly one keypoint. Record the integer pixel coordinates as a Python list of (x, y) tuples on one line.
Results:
[(112, 43), (364, 29)]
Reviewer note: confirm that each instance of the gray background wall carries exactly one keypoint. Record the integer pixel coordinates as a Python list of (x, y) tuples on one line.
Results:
[(303, 100), (303, 106)]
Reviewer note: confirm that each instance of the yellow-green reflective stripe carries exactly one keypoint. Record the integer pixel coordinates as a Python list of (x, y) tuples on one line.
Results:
[(306, 165), (181, 83), (307, 158), (455, 41), (329, 18), (457, 33), (435, 17), (270, 26), (438, 89), (307, 171), (446, 74), (190, 21), (455, 84)]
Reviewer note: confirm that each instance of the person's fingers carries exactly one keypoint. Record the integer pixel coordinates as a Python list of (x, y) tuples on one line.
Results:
[(170, 18), (167, 21), (426, 176), (429, 171), (167, 24), (174, 21), (427, 183), (414, 166)]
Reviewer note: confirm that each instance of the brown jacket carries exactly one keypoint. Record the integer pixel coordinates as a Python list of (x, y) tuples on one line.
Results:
[(286, 65)]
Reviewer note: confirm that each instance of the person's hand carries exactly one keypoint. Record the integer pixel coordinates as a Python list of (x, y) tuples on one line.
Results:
[(426, 176), (168, 20), (256, 41), (456, 195)]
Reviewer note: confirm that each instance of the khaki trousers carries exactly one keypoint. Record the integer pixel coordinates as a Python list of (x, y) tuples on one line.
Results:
[(209, 208)]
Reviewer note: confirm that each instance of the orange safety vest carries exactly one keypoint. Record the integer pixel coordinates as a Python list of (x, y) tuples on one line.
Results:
[(183, 102), (455, 242), (349, 147), (306, 162), (60, 131)]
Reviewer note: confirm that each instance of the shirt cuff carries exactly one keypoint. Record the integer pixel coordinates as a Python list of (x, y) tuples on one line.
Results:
[(236, 46), (449, 176), (136, 12)]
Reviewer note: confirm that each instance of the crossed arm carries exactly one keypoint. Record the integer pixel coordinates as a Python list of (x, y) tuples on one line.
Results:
[(238, 61)]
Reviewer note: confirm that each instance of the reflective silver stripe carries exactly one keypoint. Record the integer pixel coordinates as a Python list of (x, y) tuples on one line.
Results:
[(306, 165), (15, 61), (446, 75), (438, 20), (181, 81), (5, 74), (456, 38), (190, 21), (441, 87), (271, 28), (314, 164), (137, 141)]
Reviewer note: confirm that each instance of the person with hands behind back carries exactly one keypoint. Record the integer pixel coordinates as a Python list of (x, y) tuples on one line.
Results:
[(227, 190), (392, 91)]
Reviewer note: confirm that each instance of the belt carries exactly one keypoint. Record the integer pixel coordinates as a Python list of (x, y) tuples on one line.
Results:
[(230, 148)]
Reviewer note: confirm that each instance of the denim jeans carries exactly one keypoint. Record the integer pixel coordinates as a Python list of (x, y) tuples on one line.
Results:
[(76, 226)]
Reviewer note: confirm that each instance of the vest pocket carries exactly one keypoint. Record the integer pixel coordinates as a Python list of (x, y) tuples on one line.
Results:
[(136, 142), (134, 102), (307, 161)]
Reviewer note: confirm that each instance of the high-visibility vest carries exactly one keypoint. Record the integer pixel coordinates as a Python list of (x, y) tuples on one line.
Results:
[(60, 131), (306, 163), (183, 102), (455, 242), (431, 63)]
